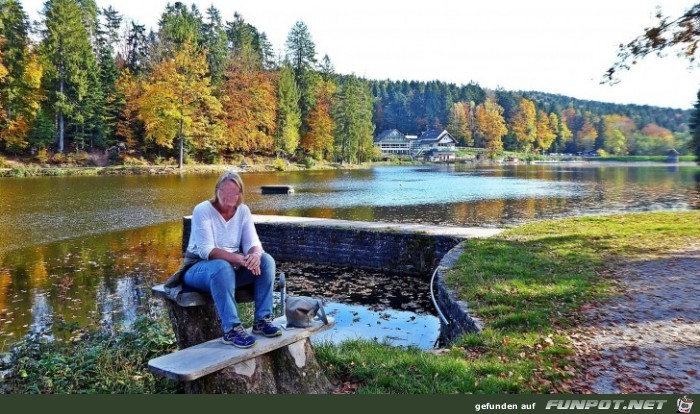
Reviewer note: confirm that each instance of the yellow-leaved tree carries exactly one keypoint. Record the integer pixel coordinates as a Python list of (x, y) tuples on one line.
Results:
[(491, 125), (523, 124), (618, 133), (177, 102), (461, 122), (3, 75), (546, 131)]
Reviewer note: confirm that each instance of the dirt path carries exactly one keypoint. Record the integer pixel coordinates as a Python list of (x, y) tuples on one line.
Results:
[(648, 339)]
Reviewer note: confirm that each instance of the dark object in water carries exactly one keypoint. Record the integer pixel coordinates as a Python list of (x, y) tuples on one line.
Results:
[(277, 189)]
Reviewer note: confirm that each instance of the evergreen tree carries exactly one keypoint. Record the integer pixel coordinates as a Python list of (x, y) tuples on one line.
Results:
[(68, 60), (695, 129), (244, 38), (301, 50), (288, 114), (178, 26), (353, 120), (136, 48), (112, 26), (215, 41), (15, 49), (301, 54), (42, 132), (326, 68), (267, 53), (106, 108)]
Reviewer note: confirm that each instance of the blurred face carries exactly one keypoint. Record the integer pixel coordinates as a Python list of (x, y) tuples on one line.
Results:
[(228, 194)]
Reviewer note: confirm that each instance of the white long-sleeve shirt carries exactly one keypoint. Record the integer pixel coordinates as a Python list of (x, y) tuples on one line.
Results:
[(210, 230)]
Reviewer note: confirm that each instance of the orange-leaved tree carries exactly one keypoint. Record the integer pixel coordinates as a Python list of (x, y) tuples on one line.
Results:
[(129, 129), (318, 140), (249, 101)]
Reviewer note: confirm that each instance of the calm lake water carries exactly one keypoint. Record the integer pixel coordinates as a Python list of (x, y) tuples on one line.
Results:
[(78, 251)]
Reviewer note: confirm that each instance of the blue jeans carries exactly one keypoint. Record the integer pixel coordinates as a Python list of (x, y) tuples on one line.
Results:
[(220, 279)]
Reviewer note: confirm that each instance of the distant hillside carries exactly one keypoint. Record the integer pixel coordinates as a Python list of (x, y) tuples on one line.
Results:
[(532, 121), (673, 119)]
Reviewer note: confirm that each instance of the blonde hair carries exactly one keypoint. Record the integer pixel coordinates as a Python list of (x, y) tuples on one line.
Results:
[(228, 176)]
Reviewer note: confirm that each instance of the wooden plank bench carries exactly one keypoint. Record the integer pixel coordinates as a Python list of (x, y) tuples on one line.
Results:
[(197, 361)]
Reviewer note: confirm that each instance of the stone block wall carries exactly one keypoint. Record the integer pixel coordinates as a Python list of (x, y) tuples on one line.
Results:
[(455, 311), (413, 253), (409, 253)]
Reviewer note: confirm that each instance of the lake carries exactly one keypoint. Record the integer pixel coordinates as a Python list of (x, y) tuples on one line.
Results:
[(79, 251)]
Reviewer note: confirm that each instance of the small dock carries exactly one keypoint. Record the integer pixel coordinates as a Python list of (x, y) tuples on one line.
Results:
[(277, 189)]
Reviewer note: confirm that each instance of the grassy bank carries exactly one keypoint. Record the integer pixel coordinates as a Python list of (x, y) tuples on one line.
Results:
[(643, 158), (94, 362), (526, 285), (16, 169)]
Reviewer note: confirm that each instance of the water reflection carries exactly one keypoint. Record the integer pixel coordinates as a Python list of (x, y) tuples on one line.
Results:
[(396, 328), (41, 210), (101, 281), (82, 250)]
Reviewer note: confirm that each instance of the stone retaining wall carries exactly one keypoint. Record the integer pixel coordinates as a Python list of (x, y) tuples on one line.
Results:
[(409, 253), (455, 311), (367, 246)]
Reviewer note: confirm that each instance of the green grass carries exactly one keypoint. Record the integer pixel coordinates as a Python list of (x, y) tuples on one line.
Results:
[(95, 362), (642, 158), (526, 285)]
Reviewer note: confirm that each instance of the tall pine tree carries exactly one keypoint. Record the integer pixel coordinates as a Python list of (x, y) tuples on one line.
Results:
[(353, 121), (695, 129), (68, 60), (288, 114)]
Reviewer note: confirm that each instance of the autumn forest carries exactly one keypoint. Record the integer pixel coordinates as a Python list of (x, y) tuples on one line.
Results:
[(87, 83)]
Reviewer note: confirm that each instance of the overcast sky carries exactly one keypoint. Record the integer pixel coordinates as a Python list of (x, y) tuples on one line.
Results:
[(557, 46)]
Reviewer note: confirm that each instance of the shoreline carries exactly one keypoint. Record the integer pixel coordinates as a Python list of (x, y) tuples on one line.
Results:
[(42, 171), (39, 171)]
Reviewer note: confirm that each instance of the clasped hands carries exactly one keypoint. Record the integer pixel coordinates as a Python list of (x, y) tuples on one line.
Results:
[(252, 263)]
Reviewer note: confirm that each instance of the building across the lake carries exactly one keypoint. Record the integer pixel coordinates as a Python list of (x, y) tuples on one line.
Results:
[(393, 142), (433, 145)]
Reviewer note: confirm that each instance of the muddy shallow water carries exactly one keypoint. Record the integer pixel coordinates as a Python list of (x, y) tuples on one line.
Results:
[(388, 307)]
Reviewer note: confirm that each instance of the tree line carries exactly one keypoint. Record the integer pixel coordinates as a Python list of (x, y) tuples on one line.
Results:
[(528, 121), (203, 88)]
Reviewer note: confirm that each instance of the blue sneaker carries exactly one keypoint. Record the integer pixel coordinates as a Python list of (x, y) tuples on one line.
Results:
[(238, 337), (265, 327)]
